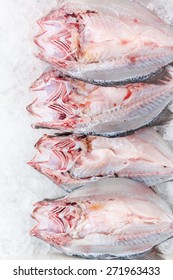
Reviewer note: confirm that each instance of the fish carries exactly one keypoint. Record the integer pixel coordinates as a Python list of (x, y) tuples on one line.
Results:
[(72, 161), (112, 219), (72, 106), (106, 43)]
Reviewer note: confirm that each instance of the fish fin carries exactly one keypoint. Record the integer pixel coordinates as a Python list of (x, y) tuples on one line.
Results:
[(109, 134), (115, 78), (98, 192), (152, 255), (162, 76), (60, 4), (61, 134), (150, 136), (164, 118)]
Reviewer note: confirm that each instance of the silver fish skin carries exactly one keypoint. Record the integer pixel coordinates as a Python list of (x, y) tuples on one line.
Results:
[(78, 107), (105, 42), (72, 161), (114, 218)]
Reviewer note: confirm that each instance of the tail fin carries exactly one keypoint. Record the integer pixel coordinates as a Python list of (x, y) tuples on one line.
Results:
[(152, 255), (162, 76), (165, 117)]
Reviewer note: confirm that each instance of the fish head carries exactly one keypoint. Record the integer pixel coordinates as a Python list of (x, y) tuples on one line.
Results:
[(58, 39), (56, 156), (53, 100), (55, 221)]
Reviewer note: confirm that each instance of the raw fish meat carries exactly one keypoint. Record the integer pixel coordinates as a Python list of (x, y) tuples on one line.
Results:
[(72, 161), (78, 107), (105, 42), (115, 218)]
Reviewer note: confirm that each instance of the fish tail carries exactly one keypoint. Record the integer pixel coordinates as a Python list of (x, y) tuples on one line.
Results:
[(165, 117), (161, 76), (153, 254)]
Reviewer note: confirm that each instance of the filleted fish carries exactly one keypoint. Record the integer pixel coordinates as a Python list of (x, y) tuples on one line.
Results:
[(72, 161), (115, 218), (105, 42), (74, 106)]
